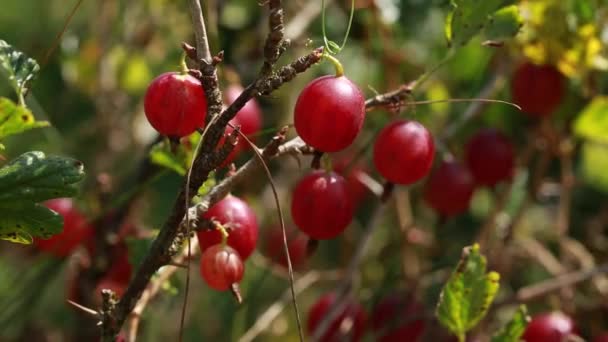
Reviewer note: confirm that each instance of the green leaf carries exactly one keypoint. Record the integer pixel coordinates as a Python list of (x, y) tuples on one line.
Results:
[(19, 68), (35, 177), (467, 18), (16, 119), (595, 164), (513, 330), (20, 220), (504, 23), (592, 122), (468, 293), (162, 155)]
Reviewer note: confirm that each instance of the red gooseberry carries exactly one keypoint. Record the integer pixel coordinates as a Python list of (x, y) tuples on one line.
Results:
[(329, 113), (221, 267), (489, 157), (239, 220), (76, 229), (396, 318), (175, 104), (349, 325), (538, 89), (296, 242), (601, 338), (449, 188), (404, 152), (321, 205), (352, 173), (549, 327)]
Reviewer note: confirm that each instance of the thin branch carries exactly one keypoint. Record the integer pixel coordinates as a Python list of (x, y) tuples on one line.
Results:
[(200, 32), (546, 287), (274, 310), (275, 44), (346, 286)]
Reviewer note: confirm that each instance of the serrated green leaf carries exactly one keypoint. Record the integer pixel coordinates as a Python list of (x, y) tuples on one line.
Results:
[(21, 220), (504, 23), (35, 177), (468, 293), (16, 119), (592, 122), (19, 68), (468, 18), (515, 328), (595, 164)]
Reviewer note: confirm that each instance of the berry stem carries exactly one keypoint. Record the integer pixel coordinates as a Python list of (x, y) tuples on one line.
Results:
[(316, 160), (223, 232), (183, 67), (336, 63)]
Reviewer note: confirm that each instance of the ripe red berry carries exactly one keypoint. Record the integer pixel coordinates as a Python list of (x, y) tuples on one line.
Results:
[(404, 152), (296, 242), (175, 104), (221, 266), (549, 327), (240, 221), (489, 156), (449, 188), (538, 89), (396, 318), (601, 338), (329, 113), (352, 174), (75, 229), (321, 205), (349, 325), (250, 116)]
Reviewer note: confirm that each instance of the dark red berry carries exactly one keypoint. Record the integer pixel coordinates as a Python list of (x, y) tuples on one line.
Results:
[(397, 318), (549, 327), (250, 116), (296, 242), (538, 89), (240, 221), (175, 104), (221, 266), (352, 174), (489, 156), (449, 188), (601, 338), (329, 113), (404, 152), (76, 229), (321, 205), (349, 325)]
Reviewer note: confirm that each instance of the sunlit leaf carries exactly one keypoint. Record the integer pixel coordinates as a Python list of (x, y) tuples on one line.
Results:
[(468, 293), (16, 119), (161, 154), (595, 164), (468, 18), (504, 23), (19, 68), (592, 122), (515, 328)]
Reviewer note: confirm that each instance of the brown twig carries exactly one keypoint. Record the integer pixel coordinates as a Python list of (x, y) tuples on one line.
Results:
[(543, 288), (346, 285), (274, 310), (275, 44)]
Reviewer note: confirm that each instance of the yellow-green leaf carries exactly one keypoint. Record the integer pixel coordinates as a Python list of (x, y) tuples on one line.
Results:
[(468, 293), (16, 119), (468, 18), (504, 23), (19, 68), (592, 122), (515, 328), (595, 165)]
